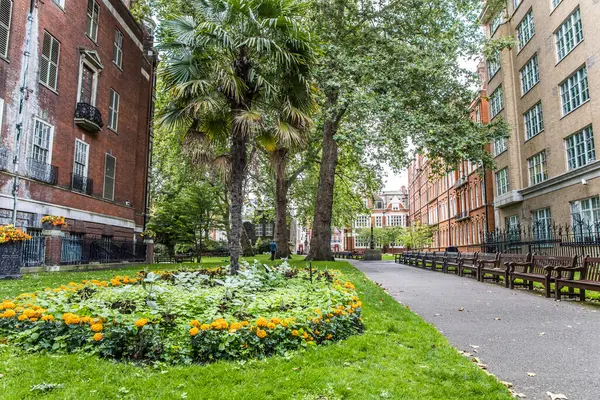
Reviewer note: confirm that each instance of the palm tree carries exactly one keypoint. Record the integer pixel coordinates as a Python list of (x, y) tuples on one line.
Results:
[(230, 69)]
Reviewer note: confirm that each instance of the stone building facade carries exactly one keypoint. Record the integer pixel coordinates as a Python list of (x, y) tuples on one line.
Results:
[(77, 82), (547, 87)]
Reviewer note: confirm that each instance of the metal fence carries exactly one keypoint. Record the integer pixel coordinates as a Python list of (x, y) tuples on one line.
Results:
[(553, 240), (34, 251), (103, 250)]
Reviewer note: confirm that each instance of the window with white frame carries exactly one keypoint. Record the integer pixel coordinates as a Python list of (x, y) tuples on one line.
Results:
[(499, 146), (542, 220), (512, 227), (574, 91), (476, 189), (478, 114), (555, 3), (41, 149), (530, 74), (516, 3), (496, 22), (585, 215), (1, 114), (568, 35), (525, 29), (5, 22), (80, 166), (91, 27), (378, 221), (580, 148), (502, 182), (361, 242), (269, 229), (496, 102), (493, 65), (259, 229), (363, 221), (118, 49), (394, 220), (113, 110), (110, 166), (538, 168), (534, 121), (61, 3), (49, 61)]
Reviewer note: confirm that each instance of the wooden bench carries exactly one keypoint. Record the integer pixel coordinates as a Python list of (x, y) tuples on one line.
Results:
[(358, 254), (589, 278), (416, 259), (542, 269), (451, 261), (182, 258), (427, 259), (468, 264), (438, 261), (499, 267)]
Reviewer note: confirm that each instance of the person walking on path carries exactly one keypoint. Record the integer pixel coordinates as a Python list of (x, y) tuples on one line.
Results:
[(273, 249)]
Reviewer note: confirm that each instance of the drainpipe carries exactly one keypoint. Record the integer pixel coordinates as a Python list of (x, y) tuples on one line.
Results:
[(22, 98)]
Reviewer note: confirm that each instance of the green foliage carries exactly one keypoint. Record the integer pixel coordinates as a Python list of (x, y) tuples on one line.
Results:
[(417, 236), (493, 47), (259, 312), (383, 237)]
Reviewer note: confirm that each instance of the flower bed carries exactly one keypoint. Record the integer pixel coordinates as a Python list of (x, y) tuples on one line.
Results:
[(187, 316)]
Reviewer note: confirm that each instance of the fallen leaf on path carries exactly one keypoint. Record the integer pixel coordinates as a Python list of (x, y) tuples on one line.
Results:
[(554, 396), (437, 315), (474, 346), (497, 319), (482, 366), (520, 395), (532, 374), (542, 333), (461, 309), (507, 384)]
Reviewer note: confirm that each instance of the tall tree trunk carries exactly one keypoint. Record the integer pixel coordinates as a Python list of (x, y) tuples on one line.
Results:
[(320, 242), (239, 159), (280, 161)]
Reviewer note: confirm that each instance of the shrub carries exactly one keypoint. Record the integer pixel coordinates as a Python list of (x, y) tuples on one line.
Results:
[(200, 315)]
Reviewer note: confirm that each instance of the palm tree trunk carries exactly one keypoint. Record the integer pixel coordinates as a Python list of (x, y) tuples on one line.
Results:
[(239, 160), (320, 242), (280, 161)]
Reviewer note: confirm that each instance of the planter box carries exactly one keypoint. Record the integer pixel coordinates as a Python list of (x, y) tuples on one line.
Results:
[(11, 259), (47, 226)]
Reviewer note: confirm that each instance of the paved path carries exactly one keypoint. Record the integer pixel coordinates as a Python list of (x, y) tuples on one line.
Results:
[(517, 332)]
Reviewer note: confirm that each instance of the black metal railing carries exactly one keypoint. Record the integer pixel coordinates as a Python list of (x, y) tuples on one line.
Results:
[(84, 251), (82, 184), (89, 117), (34, 251), (41, 171), (5, 160)]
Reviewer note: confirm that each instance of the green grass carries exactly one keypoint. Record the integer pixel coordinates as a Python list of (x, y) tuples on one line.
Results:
[(398, 357)]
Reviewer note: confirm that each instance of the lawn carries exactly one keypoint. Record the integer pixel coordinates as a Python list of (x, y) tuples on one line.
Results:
[(398, 357)]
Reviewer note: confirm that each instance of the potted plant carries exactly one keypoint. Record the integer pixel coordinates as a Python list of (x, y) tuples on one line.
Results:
[(11, 244), (51, 222)]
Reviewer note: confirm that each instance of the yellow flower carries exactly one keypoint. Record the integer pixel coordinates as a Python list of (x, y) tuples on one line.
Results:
[(140, 323), (33, 319), (205, 327), (245, 323), (294, 332), (22, 317), (48, 318), (7, 305), (261, 322), (85, 319), (96, 327), (328, 337), (195, 323), (271, 325), (98, 337), (349, 285), (194, 331), (235, 326), (276, 321), (9, 314), (260, 333), (220, 324), (305, 335)]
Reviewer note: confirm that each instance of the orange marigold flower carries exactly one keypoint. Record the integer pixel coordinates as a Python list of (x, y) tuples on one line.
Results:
[(96, 327), (33, 319), (220, 324), (98, 337), (261, 334), (9, 314), (305, 335), (48, 318), (294, 332), (245, 323), (205, 327), (194, 331), (140, 323), (276, 321), (328, 337), (235, 326), (261, 322), (195, 323), (271, 325), (349, 285), (22, 317)]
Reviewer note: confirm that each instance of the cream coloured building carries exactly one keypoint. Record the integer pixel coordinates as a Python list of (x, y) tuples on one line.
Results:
[(547, 87)]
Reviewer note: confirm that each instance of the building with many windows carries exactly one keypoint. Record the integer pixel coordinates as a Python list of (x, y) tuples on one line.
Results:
[(77, 88), (457, 205), (547, 87)]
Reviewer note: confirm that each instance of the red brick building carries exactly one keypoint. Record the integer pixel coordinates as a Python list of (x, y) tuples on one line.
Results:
[(459, 205), (84, 74)]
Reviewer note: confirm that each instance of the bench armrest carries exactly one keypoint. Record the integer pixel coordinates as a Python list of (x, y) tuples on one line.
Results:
[(481, 262), (560, 270)]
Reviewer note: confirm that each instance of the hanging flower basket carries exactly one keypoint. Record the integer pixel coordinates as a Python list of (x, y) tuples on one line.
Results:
[(50, 222), (11, 255)]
